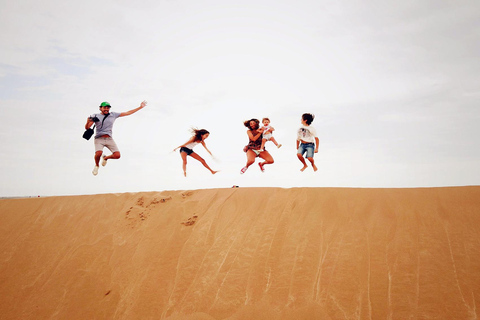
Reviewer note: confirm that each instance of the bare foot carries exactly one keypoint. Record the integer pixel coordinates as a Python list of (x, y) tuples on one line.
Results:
[(303, 169), (185, 173), (314, 167), (213, 172)]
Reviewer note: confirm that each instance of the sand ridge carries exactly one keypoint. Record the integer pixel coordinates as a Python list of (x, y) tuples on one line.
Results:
[(243, 253)]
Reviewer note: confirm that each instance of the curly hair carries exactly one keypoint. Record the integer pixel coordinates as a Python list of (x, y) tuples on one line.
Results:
[(247, 124)]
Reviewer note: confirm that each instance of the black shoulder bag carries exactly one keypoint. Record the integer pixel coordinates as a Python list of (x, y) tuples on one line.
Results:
[(88, 133)]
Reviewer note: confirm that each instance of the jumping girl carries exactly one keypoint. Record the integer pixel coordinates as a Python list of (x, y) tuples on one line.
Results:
[(186, 149)]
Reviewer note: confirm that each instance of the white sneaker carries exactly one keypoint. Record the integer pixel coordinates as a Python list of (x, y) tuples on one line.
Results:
[(104, 161), (95, 171)]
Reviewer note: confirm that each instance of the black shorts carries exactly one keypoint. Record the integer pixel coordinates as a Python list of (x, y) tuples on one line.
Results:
[(186, 150)]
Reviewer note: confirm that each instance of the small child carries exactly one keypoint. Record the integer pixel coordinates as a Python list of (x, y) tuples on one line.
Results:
[(307, 141), (267, 134), (186, 149)]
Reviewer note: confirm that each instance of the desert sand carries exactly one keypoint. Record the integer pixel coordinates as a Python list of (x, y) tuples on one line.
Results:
[(244, 253)]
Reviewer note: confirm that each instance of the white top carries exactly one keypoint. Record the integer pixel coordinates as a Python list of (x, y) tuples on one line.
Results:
[(307, 134), (266, 129), (191, 145), (267, 134)]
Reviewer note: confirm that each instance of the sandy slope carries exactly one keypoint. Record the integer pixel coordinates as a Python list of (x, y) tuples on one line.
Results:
[(247, 253)]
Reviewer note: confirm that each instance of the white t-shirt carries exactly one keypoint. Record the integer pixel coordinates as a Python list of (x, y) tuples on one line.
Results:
[(307, 134)]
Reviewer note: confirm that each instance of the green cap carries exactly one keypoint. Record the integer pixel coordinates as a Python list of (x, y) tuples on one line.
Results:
[(105, 104)]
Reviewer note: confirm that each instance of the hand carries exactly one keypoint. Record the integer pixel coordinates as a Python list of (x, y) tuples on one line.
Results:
[(143, 104), (316, 150)]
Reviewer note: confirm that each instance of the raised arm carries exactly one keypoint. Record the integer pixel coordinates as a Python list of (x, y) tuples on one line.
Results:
[(142, 105), (88, 124)]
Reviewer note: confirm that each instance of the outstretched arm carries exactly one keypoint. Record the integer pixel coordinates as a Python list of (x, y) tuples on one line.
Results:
[(205, 146), (142, 105)]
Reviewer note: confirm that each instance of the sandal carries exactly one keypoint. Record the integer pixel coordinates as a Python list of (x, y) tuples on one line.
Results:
[(243, 170)]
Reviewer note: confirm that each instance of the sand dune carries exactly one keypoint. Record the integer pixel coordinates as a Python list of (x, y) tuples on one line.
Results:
[(246, 253)]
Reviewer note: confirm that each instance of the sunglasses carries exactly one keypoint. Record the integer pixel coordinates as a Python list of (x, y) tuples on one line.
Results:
[(106, 107)]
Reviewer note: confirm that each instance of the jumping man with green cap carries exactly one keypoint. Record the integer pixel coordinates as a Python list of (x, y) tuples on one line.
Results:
[(103, 132)]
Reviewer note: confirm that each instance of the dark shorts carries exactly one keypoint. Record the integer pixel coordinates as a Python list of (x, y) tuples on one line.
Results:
[(186, 150)]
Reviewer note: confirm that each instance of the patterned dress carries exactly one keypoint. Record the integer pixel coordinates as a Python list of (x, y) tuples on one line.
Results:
[(255, 145)]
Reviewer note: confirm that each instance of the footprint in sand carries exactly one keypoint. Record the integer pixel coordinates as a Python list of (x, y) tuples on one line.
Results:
[(140, 201), (190, 221), (157, 201), (144, 211)]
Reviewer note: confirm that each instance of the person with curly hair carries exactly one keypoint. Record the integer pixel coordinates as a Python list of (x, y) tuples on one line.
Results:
[(253, 149)]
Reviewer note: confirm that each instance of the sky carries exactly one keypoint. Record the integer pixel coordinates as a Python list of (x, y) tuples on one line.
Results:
[(394, 87)]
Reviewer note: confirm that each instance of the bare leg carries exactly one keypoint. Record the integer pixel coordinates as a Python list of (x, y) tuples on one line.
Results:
[(202, 161), (274, 141), (313, 164), (267, 157), (184, 158), (97, 157), (302, 160), (263, 144), (115, 155), (250, 160)]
